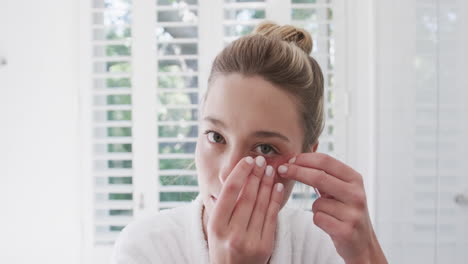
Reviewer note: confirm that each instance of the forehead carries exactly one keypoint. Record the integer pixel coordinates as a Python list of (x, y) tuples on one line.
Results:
[(252, 103)]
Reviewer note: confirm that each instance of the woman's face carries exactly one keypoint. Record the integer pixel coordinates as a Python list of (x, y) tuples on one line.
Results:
[(244, 116)]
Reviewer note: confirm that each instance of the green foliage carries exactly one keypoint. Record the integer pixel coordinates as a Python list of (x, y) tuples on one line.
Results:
[(119, 34), (116, 3), (121, 212), (178, 180), (331, 80), (310, 14), (186, 147), (238, 30), (330, 130), (170, 2), (331, 113), (120, 196), (331, 146), (118, 82), (119, 164), (119, 99), (177, 131), (304, 14), (178, 98), (331, 96), (178, 48), (118, 66), (244, 14), (175, 164), (178, 114), (117, 115), (178, 82), (305, 1), (118, 50), (177, 196), (258, 14), (119, 131), (120, 180), (119, 147), (116, 228)]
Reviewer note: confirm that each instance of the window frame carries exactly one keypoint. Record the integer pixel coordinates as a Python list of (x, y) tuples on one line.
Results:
[(359, 75), (144, 164)]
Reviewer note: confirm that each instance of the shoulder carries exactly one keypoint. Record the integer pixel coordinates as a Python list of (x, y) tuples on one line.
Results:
[(152, 236), (308, 241), (158, 222)]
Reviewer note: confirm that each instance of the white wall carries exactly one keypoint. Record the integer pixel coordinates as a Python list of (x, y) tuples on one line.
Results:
[(421, 130), (39, 132)]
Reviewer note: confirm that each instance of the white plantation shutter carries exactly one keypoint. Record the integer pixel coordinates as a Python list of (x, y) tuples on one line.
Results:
[(150, 63), (177, 100), (316, 16), (240, 18), (112, 118)]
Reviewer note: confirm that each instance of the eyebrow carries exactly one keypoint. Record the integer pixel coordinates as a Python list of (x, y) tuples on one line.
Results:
[(260, 134)]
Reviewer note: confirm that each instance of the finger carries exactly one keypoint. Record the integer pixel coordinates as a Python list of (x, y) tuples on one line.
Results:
[(226, 202), (318, 179), (332, 226), (333, 207), (260, 168), (326, 195), (243, 210), (263, 200), (327, 163), (271, 218)]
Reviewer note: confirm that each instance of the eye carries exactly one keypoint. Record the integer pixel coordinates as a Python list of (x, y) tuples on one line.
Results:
[(214, 137), (265, 149)]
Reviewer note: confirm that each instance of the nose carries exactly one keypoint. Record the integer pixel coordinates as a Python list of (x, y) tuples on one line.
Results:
[(229, 161)]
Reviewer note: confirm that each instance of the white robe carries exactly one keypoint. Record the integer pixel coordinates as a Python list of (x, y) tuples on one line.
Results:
[(176, 236)]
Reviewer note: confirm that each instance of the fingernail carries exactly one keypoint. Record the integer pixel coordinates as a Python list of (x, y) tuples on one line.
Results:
[(292, 160), (279, 187), (282, 169), (249, 160), (269, 171), (260, 160)]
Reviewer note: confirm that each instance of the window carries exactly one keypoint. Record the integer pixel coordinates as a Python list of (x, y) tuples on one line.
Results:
[(149, 63), (112, 118)]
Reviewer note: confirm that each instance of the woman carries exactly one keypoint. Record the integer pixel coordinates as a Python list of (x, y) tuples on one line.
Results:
[(262, 116)]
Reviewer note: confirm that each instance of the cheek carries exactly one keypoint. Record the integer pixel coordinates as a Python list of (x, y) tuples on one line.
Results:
[(276, 161)]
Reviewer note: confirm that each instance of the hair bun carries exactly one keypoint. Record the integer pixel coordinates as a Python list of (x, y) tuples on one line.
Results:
[(288, 33)]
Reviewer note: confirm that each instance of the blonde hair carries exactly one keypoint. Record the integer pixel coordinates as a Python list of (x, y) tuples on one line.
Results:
[(280, 55)]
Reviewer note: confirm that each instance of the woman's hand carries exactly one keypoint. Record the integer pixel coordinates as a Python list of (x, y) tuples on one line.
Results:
[(241, 228), (341, 211)]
